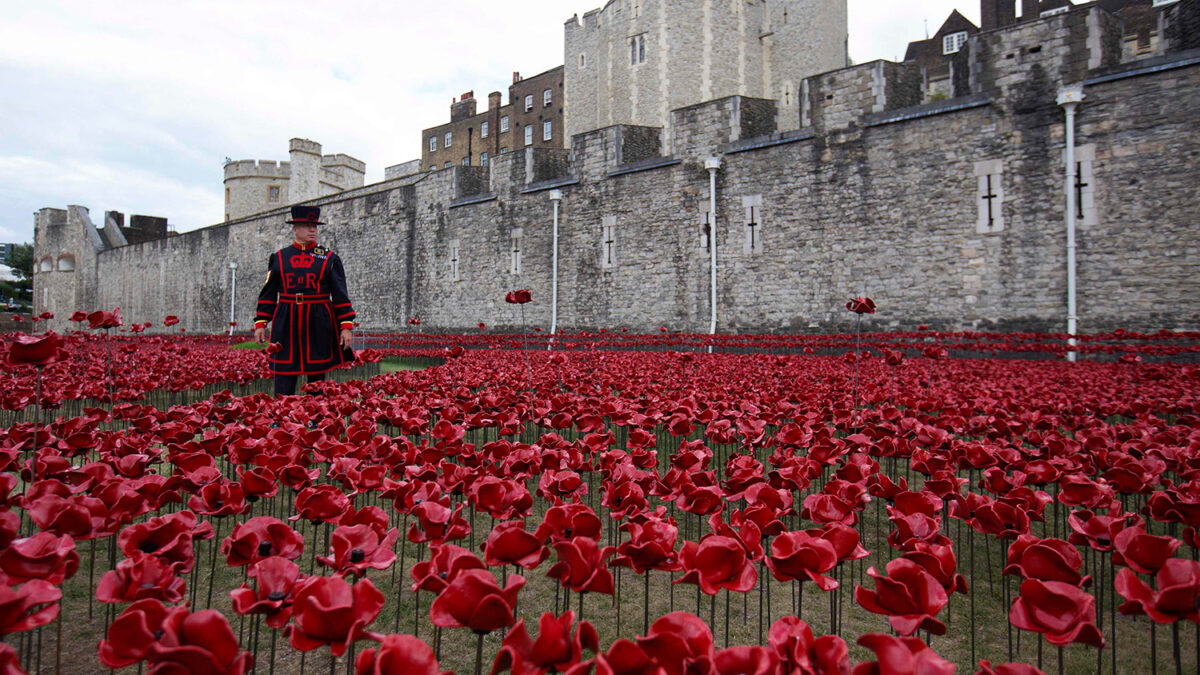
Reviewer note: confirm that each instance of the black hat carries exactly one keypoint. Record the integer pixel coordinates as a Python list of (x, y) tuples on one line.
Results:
[(306, 215)]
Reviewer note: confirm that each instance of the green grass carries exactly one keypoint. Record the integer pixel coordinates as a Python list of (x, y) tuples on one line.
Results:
[(248, 344)]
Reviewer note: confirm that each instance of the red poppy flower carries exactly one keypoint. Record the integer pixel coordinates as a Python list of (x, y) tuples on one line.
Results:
[(556, 649), (565, 521), (171, 320), (142, 576), (509, 544), (581, 566), (357, 548), (1177, 597), (329, 611), (320, 503), (941, 563), (258, 482), (398, 655), (437, 524), (845, 541), (793, 640), (824, 508), (274, 593), (222, 498), (901, 656), (35, 350), (651, 546), (1046, 560), (799, 555), (560, 486), (32, 604), (260, 538), (474, 600), (502, 499), (482, 325), (913, 530), (274, 347), (168, 538), (202, 642), (861, 305), (102, 319), (518, 297), (445, 562), (1000, 519), (908, 595), (454, 352), (1141, 551), (131, 634), (1097, 531), (77, 316), (414, 321), (1062, 612), (43, 556), (680, 643), (715, 563)]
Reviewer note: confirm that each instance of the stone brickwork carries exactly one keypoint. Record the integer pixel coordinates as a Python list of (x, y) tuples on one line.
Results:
[(254, 186), (635, 61), (872, 196)]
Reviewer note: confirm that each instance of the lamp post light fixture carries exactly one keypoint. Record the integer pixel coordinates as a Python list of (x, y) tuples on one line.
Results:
[(712, 164), (555, 197), (232, 293), (1069, 98)]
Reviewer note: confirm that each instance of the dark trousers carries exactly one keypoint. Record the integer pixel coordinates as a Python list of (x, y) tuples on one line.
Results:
[(285, 385)]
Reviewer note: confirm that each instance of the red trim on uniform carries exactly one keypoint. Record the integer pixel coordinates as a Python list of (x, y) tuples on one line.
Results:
[(344, 304), (301, 246)]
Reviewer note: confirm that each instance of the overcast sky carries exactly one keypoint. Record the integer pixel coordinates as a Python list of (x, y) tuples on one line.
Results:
[(133, 105)]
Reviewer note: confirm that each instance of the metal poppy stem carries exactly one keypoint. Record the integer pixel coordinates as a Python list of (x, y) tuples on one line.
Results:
[(974, 588), (1175, 647), (212, 564), (479, 651), (646, 604)]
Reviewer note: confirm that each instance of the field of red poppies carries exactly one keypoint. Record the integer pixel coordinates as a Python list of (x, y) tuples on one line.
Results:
[(617, 503)]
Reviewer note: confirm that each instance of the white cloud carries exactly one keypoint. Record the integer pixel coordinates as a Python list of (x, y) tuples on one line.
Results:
[(134, 105)]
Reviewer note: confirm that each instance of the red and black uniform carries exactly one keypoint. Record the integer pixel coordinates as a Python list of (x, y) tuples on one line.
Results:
[(306, 303)]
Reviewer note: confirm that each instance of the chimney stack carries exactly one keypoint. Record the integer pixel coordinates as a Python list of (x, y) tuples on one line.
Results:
[(494, 100), (1030, 9), (516, 77), (997, 13)]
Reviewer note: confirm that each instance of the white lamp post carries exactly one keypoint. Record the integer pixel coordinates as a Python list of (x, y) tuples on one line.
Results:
[(555, 198), (232, 293), (712, 164), (1069, 98)]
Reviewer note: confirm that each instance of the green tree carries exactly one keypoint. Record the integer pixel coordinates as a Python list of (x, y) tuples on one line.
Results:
[(21, 261)]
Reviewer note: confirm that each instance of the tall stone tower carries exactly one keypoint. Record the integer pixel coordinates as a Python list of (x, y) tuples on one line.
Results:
[(634, 61), (254, 186)]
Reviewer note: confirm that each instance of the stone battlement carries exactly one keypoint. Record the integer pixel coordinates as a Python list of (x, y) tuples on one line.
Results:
[(260, 168)]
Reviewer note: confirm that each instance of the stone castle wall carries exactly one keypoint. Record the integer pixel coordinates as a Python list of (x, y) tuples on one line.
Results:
[(872, 196)]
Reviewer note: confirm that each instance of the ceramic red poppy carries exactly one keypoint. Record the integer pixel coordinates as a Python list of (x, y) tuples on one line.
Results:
[(44, 556), (908, 595), (200, 642), (357, 548), (715, 563), (131, 634), (518, 297), (445, 562), (260, 538), (32, 604), (1177, 595), (558, 648), (329, 611), (582, 566), (1062, 612), (35, 350), (799, 651), (510, 544), (273, 592), (474, 600), (398, 655)]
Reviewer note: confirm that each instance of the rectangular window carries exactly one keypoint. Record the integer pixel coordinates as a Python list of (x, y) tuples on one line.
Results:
[(528, 102), (446, 165), (608, 242), (449, 137), (503, 150), (954, 42), (273, 194), (547, 130), (547, 98), (514, 261), (483, 130), (504, 124), (483, 159), (433, 167), (705, 225), (466, 161), (582, 61), (433, 143), (637, 49), (454, 260), (989, 196), (528, 134), (752, 243)]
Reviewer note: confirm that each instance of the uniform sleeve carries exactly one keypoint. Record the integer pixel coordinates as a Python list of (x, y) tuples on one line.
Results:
[(269, 294), (343, 311)]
